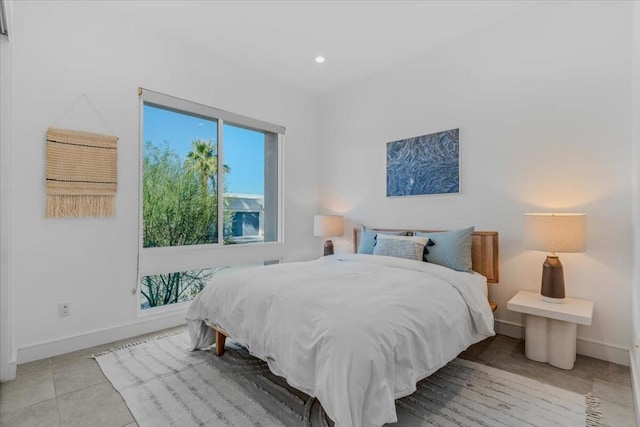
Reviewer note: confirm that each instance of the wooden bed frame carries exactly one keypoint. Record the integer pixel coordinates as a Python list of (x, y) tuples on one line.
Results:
[(484, 260)]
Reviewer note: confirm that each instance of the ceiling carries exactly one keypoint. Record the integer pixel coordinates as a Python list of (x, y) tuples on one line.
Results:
[(282, 38)]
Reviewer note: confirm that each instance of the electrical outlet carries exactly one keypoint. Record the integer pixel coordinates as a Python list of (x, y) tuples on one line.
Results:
[(64, 309)]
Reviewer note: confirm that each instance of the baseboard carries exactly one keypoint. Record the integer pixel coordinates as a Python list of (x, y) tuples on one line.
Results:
[(599, 350), (634, 356), (98, 337), (510, 329), (596, 349), (603, 351)]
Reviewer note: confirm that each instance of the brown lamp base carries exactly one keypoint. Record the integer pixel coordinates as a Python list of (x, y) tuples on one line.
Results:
[(552, 289), (328, 248)]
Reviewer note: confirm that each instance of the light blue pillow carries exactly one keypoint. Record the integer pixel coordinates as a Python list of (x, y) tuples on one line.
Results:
[(451, 248), (368, 239)]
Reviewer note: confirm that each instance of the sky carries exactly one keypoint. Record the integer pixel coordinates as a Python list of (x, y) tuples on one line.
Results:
[(243, 149)]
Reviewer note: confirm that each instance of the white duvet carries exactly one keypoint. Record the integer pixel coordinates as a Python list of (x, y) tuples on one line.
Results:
[(355, 331)]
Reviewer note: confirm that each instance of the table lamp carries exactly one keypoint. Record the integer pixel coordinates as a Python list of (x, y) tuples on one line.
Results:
[(554, 232), (328, 226)]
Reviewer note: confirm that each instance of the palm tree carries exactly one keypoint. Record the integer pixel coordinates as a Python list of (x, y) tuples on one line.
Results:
[(203, 158)]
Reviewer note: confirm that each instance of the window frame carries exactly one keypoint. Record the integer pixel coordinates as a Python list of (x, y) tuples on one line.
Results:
[(159, 260)]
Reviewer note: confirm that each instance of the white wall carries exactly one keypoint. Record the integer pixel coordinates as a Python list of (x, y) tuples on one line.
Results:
[(635, 155), (7, 347), (542, 101), (62, 50), (635, 136)]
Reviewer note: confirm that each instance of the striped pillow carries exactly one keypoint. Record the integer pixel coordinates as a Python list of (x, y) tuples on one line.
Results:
[(368, 238), (407, 247)]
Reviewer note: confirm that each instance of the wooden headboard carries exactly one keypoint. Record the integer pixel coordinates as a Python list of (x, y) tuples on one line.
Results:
[(484, 250)]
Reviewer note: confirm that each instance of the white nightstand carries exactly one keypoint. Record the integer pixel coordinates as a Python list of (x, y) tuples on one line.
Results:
[(550, 329)]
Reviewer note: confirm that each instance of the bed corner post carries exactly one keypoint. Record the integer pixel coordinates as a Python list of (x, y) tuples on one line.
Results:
[(220, 340)]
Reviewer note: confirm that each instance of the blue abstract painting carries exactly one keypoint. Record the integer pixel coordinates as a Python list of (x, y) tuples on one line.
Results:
[(427, 164)]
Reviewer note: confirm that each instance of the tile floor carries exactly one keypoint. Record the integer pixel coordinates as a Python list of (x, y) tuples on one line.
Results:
[(70, 390), (608, 381)]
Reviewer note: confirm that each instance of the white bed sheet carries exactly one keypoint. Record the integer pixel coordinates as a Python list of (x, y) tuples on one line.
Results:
[(355, 331)]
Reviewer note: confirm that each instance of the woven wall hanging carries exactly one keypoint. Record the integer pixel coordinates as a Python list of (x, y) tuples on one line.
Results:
[(81, 174)]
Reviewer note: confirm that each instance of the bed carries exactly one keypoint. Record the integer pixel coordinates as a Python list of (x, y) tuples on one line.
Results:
[(355, 331)]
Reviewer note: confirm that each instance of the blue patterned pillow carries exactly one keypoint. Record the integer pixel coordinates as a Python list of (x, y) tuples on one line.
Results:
[(400, 247), (368, 239), (451, 248)]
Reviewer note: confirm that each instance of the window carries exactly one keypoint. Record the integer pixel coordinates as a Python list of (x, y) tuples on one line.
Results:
[(210, 179), (251, 179)]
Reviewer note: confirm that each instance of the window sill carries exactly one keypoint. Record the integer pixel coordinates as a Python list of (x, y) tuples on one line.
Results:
[(211, 247), (164, 310)]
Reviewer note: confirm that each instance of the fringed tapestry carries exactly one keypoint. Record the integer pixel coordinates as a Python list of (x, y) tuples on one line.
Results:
[(81, 174)]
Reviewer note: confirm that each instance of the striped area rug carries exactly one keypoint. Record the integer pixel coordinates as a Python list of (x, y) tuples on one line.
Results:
[(166, 385)]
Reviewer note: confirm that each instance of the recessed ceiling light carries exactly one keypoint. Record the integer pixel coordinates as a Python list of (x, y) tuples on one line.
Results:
[(319, 59)]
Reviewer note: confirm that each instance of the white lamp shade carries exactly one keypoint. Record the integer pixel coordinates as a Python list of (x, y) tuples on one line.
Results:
[(555, 232), (328, 225)]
